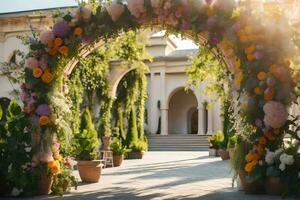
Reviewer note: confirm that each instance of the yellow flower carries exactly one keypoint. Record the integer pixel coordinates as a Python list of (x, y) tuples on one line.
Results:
[(78, 31), (44, 120), (47, 77), (37, 72), (63, 50), (250, 57), (209, 12), (262, 76), (58, 42), (238, 79)]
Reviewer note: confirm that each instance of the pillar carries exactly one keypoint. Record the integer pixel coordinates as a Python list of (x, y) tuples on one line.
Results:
[(201, 127), (210, 122), (164, 105)]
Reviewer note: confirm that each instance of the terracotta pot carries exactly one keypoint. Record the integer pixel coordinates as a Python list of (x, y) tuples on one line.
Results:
[(105, 143), (90, 171), (5, 189), (224, 154), (251, 188), (136, 155), (118, 159), (44, 184), (274, 186)]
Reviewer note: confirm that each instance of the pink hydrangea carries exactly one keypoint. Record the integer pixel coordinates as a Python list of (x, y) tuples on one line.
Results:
[(31, 63), (46, 37), (43, 63), (275, 114), (115, 10), (136, 7)]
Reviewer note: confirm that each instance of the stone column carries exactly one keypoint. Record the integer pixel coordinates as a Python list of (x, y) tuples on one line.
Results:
[(210, 122), (164, 105), (151, 107), (201, 125)]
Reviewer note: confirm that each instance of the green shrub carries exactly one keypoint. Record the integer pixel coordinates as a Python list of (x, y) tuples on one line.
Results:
[(132, 132), (139, 146), (118, 149), (237, 161), (216, 140), (86, 140)]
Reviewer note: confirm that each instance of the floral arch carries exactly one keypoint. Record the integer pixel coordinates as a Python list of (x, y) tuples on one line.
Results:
[(260, 68)]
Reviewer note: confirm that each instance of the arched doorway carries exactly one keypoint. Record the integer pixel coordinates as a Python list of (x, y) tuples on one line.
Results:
[(182, 106)]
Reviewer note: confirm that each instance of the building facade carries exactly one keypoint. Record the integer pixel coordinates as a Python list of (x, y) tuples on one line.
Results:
[(171, 108)]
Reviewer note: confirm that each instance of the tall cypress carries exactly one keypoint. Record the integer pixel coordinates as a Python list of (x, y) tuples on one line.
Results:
[(132, 131)]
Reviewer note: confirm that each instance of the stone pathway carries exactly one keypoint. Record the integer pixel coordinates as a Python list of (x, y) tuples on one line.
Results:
[(164, 175)]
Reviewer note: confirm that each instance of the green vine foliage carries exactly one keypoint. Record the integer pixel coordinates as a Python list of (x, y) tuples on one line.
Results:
[(209, 68)]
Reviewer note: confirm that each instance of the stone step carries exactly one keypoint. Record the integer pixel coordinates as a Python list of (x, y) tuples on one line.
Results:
[(179, 142)]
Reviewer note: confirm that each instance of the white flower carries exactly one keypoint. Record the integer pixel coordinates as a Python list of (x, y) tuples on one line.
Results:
[(136, 7), (282, 166), (115, 10), (289, 160), (15, 192), (278, 152), (27, 149), (275, 114), (298, 134), (270, 156)]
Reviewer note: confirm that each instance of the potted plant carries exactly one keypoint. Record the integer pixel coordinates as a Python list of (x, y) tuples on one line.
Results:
[(137, 150), (231, 144), (86, 150), (214, 143), (118, 152)]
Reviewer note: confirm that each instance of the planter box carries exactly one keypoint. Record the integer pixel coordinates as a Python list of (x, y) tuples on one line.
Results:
[(136, 155), (213, 152)]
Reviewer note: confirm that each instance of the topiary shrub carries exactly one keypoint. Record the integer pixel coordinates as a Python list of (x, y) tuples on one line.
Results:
[(132, 131), (86, 140)]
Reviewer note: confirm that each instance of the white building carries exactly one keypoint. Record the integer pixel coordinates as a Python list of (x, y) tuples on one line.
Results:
[(171, 108)]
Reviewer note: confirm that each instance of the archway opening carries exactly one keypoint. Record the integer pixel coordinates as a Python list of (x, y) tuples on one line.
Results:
[(181, 103)]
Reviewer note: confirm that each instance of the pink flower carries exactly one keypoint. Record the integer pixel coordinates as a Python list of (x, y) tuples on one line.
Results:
[(186, 25), (258, 55), (46, 37), (275, 114), (171, 20), (184, 3), (115, 10), (271, 82), (136, 7), (31, 63), (43, 63), (209, 2)]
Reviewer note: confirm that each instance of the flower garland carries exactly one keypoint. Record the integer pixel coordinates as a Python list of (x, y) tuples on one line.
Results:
[(260, 67)]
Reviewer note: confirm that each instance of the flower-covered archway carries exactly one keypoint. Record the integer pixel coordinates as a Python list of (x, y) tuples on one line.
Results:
[(258, 58)]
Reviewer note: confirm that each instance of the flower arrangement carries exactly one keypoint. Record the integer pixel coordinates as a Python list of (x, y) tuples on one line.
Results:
[(261, 69)]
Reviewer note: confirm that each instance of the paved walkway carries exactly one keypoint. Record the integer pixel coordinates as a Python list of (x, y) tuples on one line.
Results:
[(164, 175)]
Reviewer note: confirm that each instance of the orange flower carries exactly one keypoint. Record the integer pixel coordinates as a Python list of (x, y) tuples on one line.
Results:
[(258, 91), (37, 72), (262, 76), (50, 44), (273, 68), (53, 51), (44, 120), (250, 166), (269, 136), (47, 77), (64, 50), (250, 57), (262, 141), (250, 49), (53, 166), (58, 42), (252, 157), (78, 31), (268, 95)]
